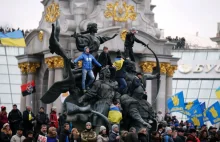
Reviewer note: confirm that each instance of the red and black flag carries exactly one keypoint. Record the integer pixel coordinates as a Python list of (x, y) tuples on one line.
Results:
[(28, 88)]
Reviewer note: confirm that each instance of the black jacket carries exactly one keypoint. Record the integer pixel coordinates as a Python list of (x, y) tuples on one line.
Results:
[(130, 39), (72, 139), (142, 137), (104, 59), (29, 140), (42, 118), (37, 135), (5, 137), (14, 117), (131, 137), (112, 137), (64, 135), (180, 139), (26, 122), (62, 120)]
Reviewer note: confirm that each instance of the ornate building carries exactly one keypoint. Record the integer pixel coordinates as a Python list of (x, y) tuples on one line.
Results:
[(112, 17)]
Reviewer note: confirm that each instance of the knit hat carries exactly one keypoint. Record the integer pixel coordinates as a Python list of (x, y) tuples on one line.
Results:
[(114, 126), (168, 129), (30, 132), (3, 107), (5, 125), (20, 128), (88, 123), (102, 128)]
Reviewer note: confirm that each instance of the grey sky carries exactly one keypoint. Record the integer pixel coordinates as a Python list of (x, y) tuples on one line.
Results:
[(175, 16)]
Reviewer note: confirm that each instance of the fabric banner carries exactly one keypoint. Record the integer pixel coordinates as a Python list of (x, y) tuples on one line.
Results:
[(28, 88)]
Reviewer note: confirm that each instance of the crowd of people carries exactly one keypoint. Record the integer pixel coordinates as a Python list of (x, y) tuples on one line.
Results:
[(28, 127), (180, 42)]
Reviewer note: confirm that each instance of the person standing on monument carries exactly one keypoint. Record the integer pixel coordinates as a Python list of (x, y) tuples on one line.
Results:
[(129, 42), (87, 60)]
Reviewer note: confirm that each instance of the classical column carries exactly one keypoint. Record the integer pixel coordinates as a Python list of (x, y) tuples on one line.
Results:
[(50, 63), (170, 72), (23, 69), (58, 64), (31, 70)]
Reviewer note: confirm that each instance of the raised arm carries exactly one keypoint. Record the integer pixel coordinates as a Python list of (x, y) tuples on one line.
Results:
[(78, 59), (104, 38), (139, 41)]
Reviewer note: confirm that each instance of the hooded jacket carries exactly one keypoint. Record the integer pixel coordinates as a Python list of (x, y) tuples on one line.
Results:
[(17, 138), (87, 60)]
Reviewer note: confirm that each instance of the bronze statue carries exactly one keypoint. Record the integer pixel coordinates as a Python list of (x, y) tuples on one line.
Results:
[(90, 39)]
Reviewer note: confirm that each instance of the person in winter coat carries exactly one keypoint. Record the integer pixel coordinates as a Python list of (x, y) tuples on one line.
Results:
[(53, 118), (102, 137), (192, 136), (131, 136), (52, 135), (105, 60), (62, 121), (180, 136), (156, 137), (6, 133), (64, 135), (114, 136), (143, 135), (168, 135), (88, 135), (14, 118), (30, 137), (129, 42), (120, 72), (123, 136), (87, 60), (28, 120), (42, 119), (75, 136), (3, 116), (42, 134), (203, 137), (19, 136)]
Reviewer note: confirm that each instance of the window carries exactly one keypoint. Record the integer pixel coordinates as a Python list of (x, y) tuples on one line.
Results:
[(3, 69), (12, 51), (194, 83), (5, 98), (4, 78), (16, 98), (15, 79), (193, 93), (12, 60), (3, 60), (213, 56), (187, 56), (21, 51), (216, 84), (213, 94), (16, 88), (204, 93), (174, 83), (177, 54), (5, 88), (200, 56), (2, 50), (182, 83), (184, 92), (211, 102), (207, 84), (14, 70)]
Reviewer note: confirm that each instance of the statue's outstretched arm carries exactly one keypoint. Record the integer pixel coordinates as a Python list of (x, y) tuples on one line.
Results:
[(104, 38), (149, 76)]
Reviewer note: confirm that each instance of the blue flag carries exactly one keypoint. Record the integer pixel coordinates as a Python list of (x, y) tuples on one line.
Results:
[(190, 107), (203, 108), (213, 113), (176, 102), (197, 121)]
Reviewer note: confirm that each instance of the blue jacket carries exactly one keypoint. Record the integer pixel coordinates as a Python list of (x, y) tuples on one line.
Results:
[(87, 60)]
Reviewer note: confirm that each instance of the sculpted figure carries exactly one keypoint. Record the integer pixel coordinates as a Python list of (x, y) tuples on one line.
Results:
[(90, 39), (101, 95)]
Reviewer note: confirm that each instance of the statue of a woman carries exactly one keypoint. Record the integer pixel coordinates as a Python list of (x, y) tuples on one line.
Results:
[(88, 38)]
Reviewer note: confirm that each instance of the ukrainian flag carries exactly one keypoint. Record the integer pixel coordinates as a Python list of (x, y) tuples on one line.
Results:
[(176, 102), (217, 92), (15, 38)]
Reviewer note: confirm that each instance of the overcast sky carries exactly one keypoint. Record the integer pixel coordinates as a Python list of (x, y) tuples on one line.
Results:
[(174, 16)]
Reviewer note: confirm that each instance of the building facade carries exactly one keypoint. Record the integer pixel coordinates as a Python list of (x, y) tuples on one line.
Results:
[(10, 76)]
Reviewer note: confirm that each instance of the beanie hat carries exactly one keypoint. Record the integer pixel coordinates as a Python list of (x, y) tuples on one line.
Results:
[(20, 128), (88, 123), (5, 125), (168, 129), (30, 132), (102, 128), (114, 126), (3, 107)]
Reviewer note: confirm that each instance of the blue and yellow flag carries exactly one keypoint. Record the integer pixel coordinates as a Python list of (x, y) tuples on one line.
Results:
[(176, 102), (217, 92), (197, 121), (190, 108), (197, 116), (203, 108), (15, 38), (213, 113)]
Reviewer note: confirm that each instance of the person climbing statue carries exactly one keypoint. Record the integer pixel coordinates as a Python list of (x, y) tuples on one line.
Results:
[(129, 42)]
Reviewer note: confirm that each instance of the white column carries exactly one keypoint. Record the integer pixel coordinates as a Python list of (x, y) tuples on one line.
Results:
[(161, 98), (30, 98), (168, 89), (23, 99), (50, 83), (58, 77)]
